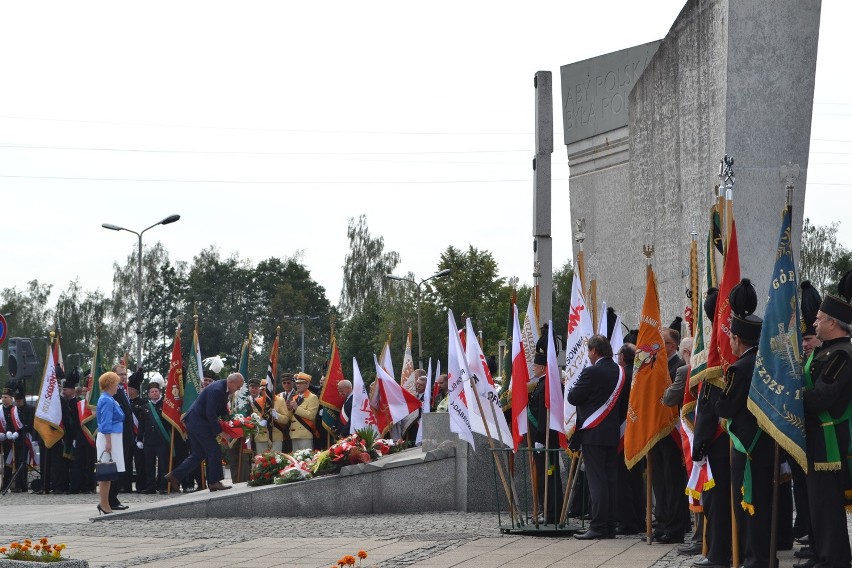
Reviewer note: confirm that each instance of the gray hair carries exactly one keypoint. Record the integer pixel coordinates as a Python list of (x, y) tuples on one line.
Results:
[(846, 327), (685, 344), (345, 383)]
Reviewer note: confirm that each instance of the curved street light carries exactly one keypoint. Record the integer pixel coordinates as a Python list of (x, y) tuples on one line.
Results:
[(440, 274), (167, 221)]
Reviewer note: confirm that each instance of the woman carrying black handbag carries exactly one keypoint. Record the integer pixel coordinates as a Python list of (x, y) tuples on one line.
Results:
[(110, 425)]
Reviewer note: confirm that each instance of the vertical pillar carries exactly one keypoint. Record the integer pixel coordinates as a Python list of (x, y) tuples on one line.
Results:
[(542, 241)]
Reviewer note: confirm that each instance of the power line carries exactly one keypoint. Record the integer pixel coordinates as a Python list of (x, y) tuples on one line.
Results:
[(276, 182)]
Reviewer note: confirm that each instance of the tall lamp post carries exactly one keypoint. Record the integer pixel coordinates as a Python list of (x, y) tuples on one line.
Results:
[(168, 220), (440, 274), (302, 322)]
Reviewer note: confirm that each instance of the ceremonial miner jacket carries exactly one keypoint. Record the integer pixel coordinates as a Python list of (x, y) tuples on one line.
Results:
[(827, 403), (732, 404)]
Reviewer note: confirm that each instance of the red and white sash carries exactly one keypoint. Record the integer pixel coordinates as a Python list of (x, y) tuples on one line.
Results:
[(598, 415)]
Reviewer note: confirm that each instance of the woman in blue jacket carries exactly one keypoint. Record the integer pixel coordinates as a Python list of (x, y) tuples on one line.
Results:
[(110, 425)]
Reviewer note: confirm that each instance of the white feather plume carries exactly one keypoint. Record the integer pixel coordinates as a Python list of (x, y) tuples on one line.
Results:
[(157, 378), (214, 363)]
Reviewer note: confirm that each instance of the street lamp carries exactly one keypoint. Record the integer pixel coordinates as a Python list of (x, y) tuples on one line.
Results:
[(302, 321), (440, 274), (111, 227)]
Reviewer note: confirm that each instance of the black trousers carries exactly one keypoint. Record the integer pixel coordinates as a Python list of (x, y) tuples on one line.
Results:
[(717, 502), (140, 469), (602, 473), (757, 527), (83, 468), (553, 478), (156, 466), (630, 505), (669, 482), (802, 524)]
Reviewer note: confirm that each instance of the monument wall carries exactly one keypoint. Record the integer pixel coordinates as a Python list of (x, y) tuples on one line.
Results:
[(731, 76)]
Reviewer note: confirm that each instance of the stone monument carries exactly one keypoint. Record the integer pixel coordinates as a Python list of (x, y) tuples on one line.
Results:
[(646, 127)]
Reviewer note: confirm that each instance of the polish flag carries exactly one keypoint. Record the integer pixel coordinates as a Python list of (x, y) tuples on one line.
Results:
[(399, 401), (520, 380), (362, 413), (481, 385), (553, 390)]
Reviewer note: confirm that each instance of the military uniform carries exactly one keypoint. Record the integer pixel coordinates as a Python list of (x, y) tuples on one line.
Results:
[(302, 421), (827, 398), (18, 422), (155, 444)]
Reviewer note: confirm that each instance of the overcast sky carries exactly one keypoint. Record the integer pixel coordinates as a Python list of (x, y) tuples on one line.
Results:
[(266, 125)]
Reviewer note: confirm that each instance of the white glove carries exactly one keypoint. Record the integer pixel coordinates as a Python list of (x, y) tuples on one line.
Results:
[(539, 446), (263, 423), (2, 436), (15, 435), (74, 444), (274, 414), (9, 434), (139, 445)]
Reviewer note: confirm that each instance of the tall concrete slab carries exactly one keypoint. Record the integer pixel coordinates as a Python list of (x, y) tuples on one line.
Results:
[(731, 76)]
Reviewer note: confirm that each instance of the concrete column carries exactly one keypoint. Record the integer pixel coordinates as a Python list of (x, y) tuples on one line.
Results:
[(542, 242)]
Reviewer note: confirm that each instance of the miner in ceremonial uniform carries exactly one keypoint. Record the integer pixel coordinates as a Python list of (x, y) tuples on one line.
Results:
[(538, 427), (154, 439), (137, 406), (300, 413), (711, 441), (261, 405), (288, 391), (71, 425), (752, 459), (12, 437), (828, 407)]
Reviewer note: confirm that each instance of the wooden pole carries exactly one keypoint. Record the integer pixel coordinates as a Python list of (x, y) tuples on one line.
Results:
[(593, 300), (546, 464), (735, 540), (569, 487), (648, 501), (773, 535), (533, 478), (171, 458)]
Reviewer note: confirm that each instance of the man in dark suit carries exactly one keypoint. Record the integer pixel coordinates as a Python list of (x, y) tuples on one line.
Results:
[(202, 425), (599, 429), (128, 438), (630, 504), (538, 427), (669, 479), (343, 427)]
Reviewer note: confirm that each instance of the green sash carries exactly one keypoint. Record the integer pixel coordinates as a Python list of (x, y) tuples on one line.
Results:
[(747, 502), (159, 423), (832, 448)]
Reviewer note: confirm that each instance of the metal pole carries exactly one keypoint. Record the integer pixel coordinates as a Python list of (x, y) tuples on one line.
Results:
[(139, 305), (302, 320), (419, 332)]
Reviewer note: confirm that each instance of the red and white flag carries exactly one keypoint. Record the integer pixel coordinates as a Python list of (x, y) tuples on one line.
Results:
[(426, 406), (520, 380), (400, 402), (580, 329), (553, 399), (457, 405), (481, 385), (362, 413)]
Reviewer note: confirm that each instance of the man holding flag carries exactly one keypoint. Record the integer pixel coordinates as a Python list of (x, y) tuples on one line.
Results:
[(595, 395), (544, 437)]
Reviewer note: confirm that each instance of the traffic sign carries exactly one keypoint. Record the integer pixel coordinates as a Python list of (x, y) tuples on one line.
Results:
[(3, 329)]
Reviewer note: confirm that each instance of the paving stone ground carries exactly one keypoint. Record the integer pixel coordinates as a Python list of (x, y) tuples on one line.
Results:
[(439, 540)]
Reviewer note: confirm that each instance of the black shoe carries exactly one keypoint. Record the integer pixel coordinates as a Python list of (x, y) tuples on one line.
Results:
[(803, 540), (690, 548), (626, 530), (119, 507), (163, 492), (804, 552), (150, 491), (707, 563), (591, 535), (809, 563), (667, 538)]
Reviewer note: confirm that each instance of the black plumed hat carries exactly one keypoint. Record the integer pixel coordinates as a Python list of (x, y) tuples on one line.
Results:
[(72, 379), (810, 303), (541, 350), (744, 323), (135, 380), (839, 307), (710, 303), (611, 318), (676, 324)]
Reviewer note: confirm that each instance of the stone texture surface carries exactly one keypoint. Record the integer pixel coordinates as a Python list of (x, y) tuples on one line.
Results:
[(731, 76)]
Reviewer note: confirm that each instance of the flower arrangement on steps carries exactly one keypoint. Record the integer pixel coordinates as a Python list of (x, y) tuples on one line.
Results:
[(363, 446)]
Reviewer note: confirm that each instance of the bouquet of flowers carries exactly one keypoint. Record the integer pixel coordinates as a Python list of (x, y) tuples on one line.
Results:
[(361, 447), (241, 426), (266, 467), (295, 471)]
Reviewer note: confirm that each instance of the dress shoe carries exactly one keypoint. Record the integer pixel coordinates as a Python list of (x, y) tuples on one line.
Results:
[(217, 486), (804, 540), (667, 538), (591, 535), (707, 563), (172, 480), (804, 552), (119, 507), (807, 563), (690, 548), (149, 491)]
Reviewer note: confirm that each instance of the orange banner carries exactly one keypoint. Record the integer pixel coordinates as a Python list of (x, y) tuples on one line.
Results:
[(648, 419)]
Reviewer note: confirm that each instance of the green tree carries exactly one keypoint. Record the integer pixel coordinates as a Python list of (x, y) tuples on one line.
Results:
[(820, 251), (563, 280), (79, 315), (29, 316), (364, 268)]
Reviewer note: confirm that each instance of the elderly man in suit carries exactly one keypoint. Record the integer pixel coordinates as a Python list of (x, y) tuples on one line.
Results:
[(599, 429), (202, 424)]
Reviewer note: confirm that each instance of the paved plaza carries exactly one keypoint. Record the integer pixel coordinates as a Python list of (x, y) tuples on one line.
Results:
[(444, 540)]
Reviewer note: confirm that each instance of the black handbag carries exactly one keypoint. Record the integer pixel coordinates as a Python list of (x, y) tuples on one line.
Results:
[(105, 470)]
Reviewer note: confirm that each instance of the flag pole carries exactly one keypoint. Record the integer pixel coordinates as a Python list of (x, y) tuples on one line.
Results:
[(497, 462), (693, 281), (572, 482), (593, 300), (648, 251), (546, 461), (581, 264), (533, 478), (171, 457)]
